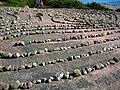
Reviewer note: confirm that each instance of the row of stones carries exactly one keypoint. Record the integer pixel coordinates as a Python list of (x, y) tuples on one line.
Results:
[(64, 75), (47, 27), (38, 27), (62, 32), (9, 55), (22, 43), (82, 26), (43, 32), (86, 25), (70, 58)]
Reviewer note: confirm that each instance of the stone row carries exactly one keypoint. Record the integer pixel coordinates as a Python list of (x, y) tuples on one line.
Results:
[(17, 55), (60, 75), (70, 58), (69, 38), (55, 32)]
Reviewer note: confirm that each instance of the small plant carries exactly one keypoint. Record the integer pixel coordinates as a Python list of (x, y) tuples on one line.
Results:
[(117, 10)]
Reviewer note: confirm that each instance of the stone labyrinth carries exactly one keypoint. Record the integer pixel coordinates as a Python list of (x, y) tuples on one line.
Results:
[(59, 49)]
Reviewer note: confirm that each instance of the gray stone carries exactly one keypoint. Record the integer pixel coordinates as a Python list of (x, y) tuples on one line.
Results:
[(84, 72)]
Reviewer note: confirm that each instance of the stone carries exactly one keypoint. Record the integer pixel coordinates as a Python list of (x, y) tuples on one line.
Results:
[(84, 72), (52, 78), (22, 43), (112, 62), (1, 68), (8, 68), (28, 66), (25, 86), (116, 59), (90, 52), (15, 85), (42, 64), (101, 65), (29, 85), (59, 75), (88, 69), (46, 50), (76, 73), (38, 81), (48, 80), (43, 80), (97, 67), (29, 54), (66, 75), (16, 55), (34, 64), (21, 67), (70, 58)]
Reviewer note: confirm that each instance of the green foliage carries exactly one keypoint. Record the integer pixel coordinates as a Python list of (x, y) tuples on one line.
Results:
[(20, 3), (57, 4), (64, 3), (97, 6), (117, 10)]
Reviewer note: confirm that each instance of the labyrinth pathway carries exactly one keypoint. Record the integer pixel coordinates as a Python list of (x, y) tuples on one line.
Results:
[(59, 49)]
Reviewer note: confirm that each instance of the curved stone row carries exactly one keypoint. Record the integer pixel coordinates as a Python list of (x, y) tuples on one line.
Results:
[(67, 39), (70, 58), (60, 75), (9, 55), (55, 32)]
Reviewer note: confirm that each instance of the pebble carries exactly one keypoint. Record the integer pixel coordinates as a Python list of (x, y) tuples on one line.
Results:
[(59, 75), (97, 67), (66, 75), (15, 85), (42, 64), (116, 59), (43, 80), (38, 81), (84, 72), (34, 65), (112, 62), (48, 80), (76, 73), (88, 69), (16, 55), (28, 66), (101, 65), (29, 85), (25, 86)]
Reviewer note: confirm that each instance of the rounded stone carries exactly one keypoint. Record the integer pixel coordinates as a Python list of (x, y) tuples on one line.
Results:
[(15, 85), (116, 59), (43, 80), (48, 80), (88, 69), (29, 85), (38, 81), (59, 74), (97, 67), (76, 73), (16, 55), (34, 64), (42, 64), (112, 62), (25, 86), (84, 72), (101, 65)]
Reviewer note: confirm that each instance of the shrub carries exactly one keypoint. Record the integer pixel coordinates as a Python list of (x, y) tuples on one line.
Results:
[(64, 3), (97, 6), (20, 3), (117, 10)]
